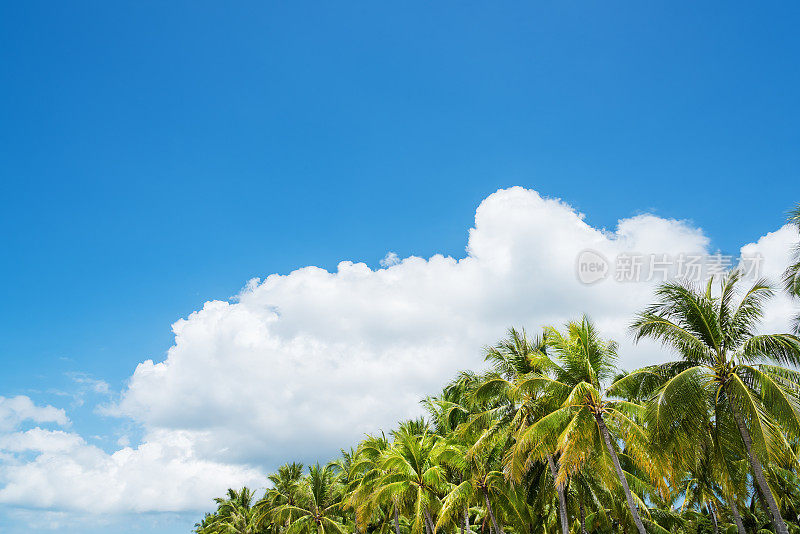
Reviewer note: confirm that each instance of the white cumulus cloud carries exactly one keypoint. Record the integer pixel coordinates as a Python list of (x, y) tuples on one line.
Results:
[(299, 365), (160, 475), (15, 410)]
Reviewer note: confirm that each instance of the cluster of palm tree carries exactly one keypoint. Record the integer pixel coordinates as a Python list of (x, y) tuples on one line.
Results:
[(553, 438)]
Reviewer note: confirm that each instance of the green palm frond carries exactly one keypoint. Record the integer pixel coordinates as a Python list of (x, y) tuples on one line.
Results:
[(778, 395), (781, 348), (681, 404)]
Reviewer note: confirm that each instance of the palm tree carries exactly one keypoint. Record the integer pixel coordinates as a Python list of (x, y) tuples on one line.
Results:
[(700, 487), (235, 515), (448, 411), (511, 407), (317, 504), (791, 278), (286, 483), (206, 525), (366, 472), (481, 475), (725, 368), (413, 480), (349, 479), (579, 426), (454, 405)]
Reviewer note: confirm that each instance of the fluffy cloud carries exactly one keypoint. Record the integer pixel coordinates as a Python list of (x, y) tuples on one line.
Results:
[(16, 410), (163, 474), (776, 250), (298, 365)]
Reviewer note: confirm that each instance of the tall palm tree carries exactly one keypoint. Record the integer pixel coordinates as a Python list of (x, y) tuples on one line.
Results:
[(365, 473), (514, 361), (205, 525), (286, 483), (317, 504), (527, 505), (481, 474), (349, 479), (454, 405), (791, 278), (235, 515), (726, 367), (700, 487), (413, 479), (587, 421), (448, 411)]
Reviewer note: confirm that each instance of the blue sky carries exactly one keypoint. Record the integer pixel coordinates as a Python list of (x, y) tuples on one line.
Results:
[(158, 155)]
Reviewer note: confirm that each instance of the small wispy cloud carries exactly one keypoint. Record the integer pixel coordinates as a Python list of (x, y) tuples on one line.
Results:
[(390, 259), (86, 385)]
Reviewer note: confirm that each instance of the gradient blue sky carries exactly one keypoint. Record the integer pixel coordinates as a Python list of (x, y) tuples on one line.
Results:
[(154, 155)]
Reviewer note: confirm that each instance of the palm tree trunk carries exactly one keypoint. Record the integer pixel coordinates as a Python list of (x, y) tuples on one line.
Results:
[(396, 520), (615, 459), (713, 518), (737, 518), (583, 516), (562, 500), (497, 528), (758, 473), (466, 520), (461, 480), (429, 521)]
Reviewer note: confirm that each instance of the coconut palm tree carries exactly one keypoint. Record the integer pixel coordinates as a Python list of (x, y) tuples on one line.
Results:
[(726, 368), (455, 405), (510, 407), (528, 505), (205, 525), (286, 483), (448, 411), (235, 515), (481, 478), (478, 427), (587, 421), (700, 487), (349, 479), (413, 480), (365, 473), (317, 504)]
